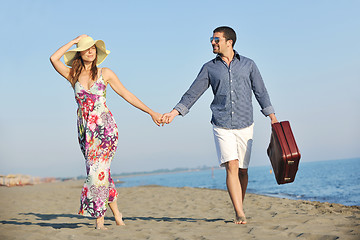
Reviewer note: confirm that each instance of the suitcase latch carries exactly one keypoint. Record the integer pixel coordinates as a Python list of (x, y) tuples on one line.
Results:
[(287, 179), (291, 162)]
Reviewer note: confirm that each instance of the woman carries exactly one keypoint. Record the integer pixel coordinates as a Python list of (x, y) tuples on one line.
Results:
[(97, 131)]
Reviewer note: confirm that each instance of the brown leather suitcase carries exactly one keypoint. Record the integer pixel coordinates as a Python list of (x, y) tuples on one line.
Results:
[(283, 152)]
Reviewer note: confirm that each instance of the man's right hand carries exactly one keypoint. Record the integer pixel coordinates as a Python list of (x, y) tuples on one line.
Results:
[(168, 117)]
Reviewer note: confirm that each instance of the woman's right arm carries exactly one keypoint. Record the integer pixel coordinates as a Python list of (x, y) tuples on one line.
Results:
[(55, 58)]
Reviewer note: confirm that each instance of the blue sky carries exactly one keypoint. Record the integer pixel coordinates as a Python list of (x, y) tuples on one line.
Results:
[(307, 52)]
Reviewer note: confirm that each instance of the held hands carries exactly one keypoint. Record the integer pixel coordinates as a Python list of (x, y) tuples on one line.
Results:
[(156, 117), (168, 117), (161, 119)]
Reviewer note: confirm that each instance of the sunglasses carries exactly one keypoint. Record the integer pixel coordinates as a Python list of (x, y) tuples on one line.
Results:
[(215, 39)]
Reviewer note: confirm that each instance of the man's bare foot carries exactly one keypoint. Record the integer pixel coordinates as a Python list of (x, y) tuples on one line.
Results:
[(119, 220), (240, 220)]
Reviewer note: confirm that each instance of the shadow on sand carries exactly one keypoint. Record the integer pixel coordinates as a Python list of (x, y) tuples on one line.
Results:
[(44, 220)]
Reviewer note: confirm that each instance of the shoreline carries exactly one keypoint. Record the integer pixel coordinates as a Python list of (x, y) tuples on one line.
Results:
[(49, 211), (20, 180)]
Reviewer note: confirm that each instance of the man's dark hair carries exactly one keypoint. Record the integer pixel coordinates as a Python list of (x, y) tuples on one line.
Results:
[(229, 33)]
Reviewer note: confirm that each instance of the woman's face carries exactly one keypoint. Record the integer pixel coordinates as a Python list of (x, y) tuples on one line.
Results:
[(89, 54)]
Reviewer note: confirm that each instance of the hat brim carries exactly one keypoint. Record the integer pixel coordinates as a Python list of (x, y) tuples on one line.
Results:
[(100, 51)]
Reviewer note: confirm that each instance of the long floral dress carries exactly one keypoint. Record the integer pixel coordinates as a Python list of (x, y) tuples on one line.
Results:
[(98, 138)]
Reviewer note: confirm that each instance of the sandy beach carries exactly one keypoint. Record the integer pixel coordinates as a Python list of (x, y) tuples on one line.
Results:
[(49, 211)]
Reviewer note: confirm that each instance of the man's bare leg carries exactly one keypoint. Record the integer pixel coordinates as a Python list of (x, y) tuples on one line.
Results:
[(117, 214), (243, 177), (234, 189)]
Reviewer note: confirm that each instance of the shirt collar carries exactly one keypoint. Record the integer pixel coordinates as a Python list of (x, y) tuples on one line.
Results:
[(236, 54)]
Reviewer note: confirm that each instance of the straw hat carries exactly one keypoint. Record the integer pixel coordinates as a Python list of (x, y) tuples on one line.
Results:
[(86, 43)]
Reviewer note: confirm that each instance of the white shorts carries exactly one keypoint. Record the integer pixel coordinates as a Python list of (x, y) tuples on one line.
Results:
[(232, 144)]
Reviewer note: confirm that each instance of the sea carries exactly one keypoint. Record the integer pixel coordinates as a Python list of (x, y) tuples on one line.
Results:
[(335, 181)]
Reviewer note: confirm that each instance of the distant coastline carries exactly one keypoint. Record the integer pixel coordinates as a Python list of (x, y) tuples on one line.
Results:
[(162, 171), (26, 179)]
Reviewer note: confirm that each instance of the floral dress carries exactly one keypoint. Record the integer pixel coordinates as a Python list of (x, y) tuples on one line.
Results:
[(98, 138)]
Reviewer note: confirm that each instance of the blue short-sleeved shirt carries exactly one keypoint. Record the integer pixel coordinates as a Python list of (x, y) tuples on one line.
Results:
[(232, 86)]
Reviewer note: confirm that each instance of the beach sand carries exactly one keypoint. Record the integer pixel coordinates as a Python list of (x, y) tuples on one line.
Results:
[(49, 211)]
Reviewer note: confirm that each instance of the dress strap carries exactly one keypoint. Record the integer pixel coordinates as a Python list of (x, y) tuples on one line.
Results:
[(102, 77)]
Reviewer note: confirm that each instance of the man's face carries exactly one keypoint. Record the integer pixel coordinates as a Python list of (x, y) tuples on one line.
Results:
[(219, 43)]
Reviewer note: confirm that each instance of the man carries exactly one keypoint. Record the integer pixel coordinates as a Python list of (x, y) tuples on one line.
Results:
[(233, 78)]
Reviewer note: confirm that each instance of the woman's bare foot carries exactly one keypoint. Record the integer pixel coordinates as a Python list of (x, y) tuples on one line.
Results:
[(100, 223), (102, 228), (117, 214), (119, 220)]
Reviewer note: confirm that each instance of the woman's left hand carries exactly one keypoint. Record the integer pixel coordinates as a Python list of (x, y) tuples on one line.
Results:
[(156, 117)]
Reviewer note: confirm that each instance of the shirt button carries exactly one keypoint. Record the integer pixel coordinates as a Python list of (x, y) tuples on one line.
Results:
[(232, 112)]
